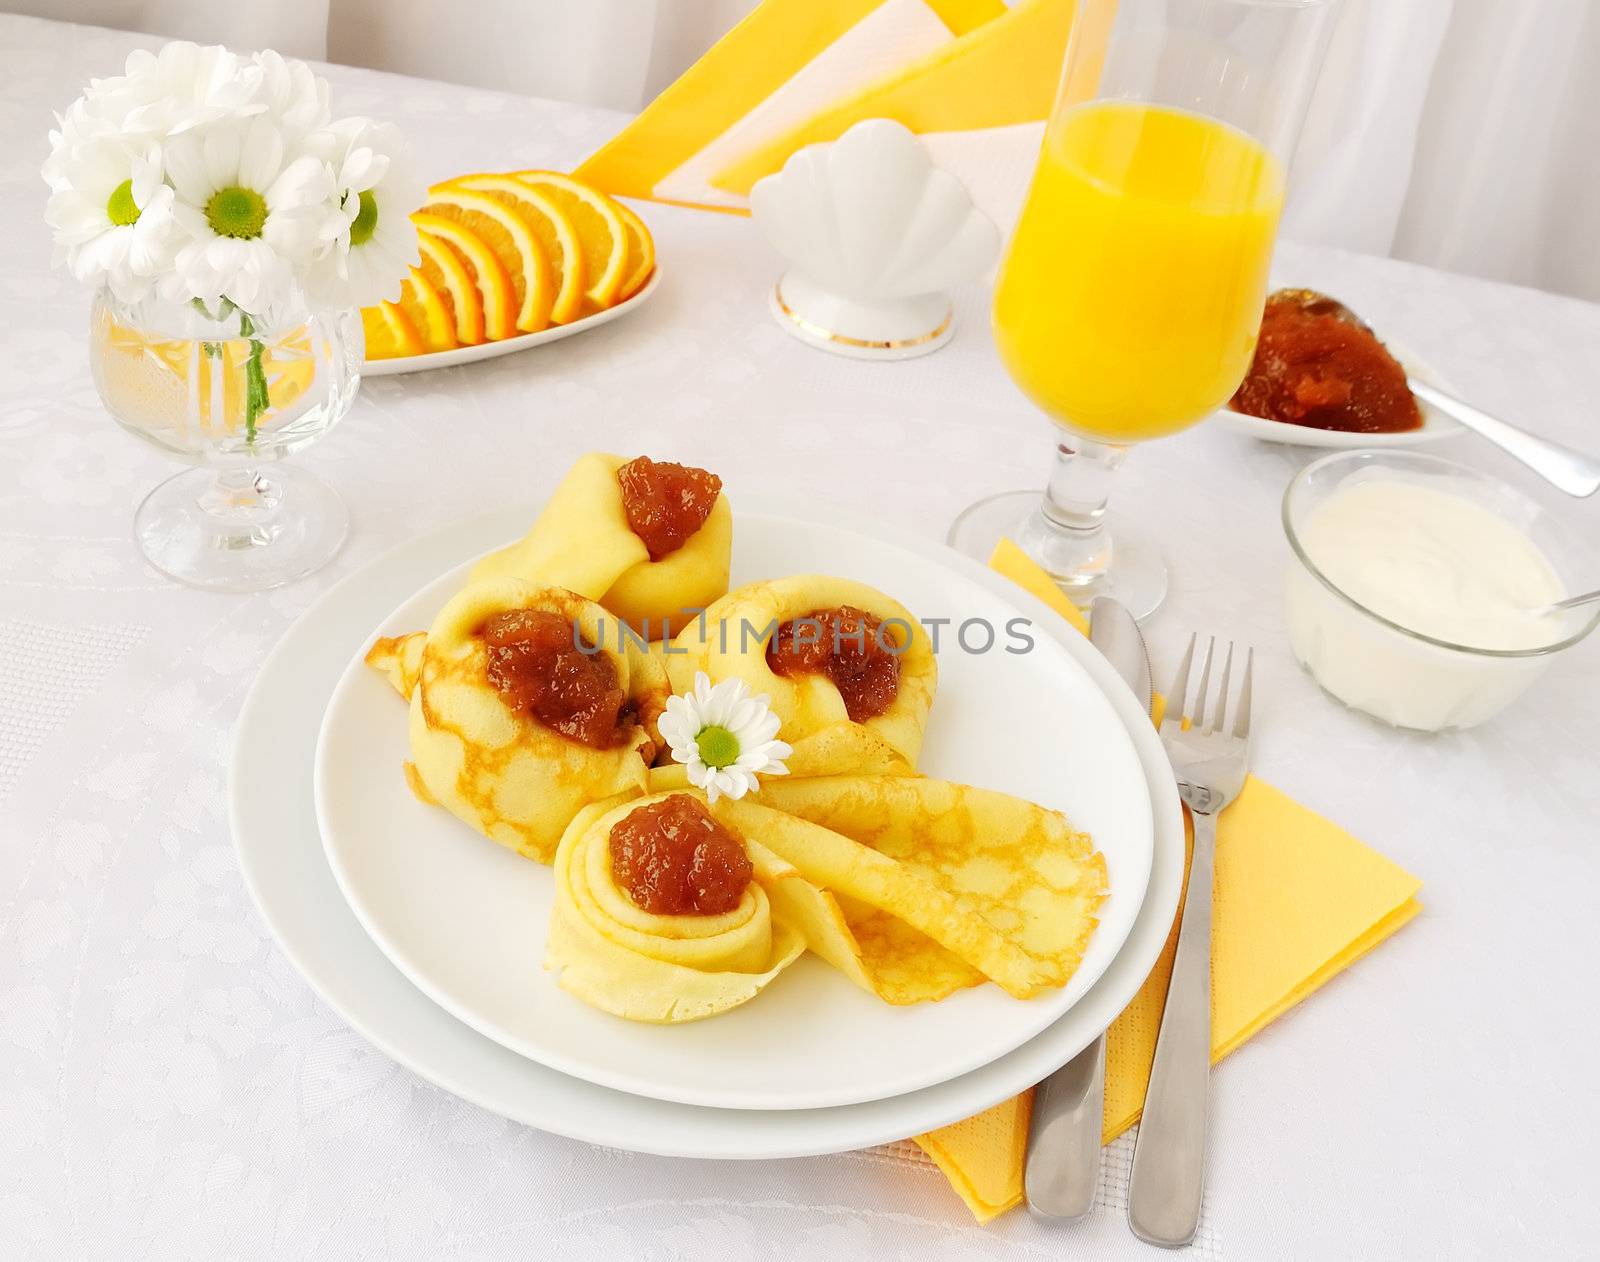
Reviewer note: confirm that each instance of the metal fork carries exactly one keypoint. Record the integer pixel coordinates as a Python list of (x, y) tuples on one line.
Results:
[(1164, 1186)]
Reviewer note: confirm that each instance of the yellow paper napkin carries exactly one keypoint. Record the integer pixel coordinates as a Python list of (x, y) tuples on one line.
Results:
[(1297, 900), (974, 78)]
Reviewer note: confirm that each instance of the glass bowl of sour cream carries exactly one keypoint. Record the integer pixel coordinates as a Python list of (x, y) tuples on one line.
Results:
[(1419, 589)]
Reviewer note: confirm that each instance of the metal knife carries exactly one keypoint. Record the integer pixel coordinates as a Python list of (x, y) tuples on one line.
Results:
[(1063, 1162)]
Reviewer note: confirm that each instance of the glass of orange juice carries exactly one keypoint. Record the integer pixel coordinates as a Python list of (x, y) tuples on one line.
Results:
[(1130, 296)]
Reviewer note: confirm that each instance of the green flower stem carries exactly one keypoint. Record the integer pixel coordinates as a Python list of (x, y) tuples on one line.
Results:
[(256, 398)]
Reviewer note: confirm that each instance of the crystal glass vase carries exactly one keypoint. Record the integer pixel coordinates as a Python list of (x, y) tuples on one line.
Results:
[(233, 393)]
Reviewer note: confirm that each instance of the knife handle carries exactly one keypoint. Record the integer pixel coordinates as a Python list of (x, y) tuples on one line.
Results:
[(1063, 1168), (1165, 1182)]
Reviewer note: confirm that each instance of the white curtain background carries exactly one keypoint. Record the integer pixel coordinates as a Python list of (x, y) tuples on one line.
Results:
[(1464, 134)]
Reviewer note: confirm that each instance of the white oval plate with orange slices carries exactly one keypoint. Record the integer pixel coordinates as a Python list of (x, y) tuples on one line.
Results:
[(505, 346)]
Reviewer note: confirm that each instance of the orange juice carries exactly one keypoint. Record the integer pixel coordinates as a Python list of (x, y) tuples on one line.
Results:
[(1129, 301)]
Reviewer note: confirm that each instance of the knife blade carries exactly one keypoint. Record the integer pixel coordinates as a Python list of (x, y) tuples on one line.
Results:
[(1062, 1168)]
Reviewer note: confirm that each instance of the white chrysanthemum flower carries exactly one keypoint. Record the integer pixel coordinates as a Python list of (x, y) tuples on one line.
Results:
[(172, 91), (292, 93), (373, 241), (253, 207), (111, 214), (725, 736)]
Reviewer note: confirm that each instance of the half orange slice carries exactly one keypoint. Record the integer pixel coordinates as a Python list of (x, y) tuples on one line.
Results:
[(513, 242), (425, 308), (390, 333), (449, 274), (601, 231), (488, 272), (553, 227), (641, 251)]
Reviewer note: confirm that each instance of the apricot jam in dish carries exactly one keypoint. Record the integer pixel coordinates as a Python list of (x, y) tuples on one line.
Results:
[(1318, 367), (674, 859), (538, 668), (846, 645), (665, 502)]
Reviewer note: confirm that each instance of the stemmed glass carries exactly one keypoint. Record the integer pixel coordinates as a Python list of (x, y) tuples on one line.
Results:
[(1129, 300), (235, 395)]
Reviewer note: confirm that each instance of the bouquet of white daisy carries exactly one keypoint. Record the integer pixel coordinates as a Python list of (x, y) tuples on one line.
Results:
[(207, 178)]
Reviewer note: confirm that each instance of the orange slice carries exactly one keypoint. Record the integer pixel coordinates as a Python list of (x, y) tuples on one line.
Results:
[(425, 308), (551, 225), (390, 333), (488, 272), (447, 273), (506, 233), (601, 231), (641, 252)]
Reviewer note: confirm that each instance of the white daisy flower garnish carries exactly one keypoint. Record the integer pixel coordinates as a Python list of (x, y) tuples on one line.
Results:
[(725, 736), (372, 243), (253, 208), (112, 214)]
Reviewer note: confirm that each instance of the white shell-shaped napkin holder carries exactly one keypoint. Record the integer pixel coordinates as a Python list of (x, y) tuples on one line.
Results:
[(875, 236)]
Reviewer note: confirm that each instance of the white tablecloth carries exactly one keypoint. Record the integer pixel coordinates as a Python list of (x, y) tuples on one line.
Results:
[(170, 1088)]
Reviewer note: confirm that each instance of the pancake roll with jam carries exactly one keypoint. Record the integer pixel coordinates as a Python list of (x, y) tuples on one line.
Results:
[(524, 709), (850, 672), (646, 539)]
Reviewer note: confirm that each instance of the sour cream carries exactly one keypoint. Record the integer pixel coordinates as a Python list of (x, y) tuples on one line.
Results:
[(1436, 563)]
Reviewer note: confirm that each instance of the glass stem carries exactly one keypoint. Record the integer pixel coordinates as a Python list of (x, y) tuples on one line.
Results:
[(1080, 484), (242, 506)]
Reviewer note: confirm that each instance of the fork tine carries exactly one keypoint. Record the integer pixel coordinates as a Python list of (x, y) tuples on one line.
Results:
[(1177, 695), (1220, 723), (1197, 720), (1241, 725)]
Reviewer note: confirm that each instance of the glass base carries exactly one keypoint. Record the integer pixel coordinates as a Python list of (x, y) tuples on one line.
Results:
[(240, 531), (1115, 561)]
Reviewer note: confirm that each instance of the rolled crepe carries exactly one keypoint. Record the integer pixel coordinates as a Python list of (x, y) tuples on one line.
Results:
[(611, 953), (503, 772), (730, 642), (582, 541)]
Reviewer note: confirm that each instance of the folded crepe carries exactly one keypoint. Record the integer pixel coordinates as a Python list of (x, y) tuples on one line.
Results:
[(942, 887), (732, 641), (1019, 869), (499, 768), (583, 541)]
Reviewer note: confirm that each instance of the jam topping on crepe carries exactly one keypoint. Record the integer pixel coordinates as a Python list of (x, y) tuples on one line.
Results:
[(538, 667), (674, 859), (847, 645), (1318, 366), (665, 502)]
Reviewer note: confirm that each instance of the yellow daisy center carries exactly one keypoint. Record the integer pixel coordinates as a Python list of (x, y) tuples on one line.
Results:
[(237, 212), (120, 206), (718, 746), (366, 221)]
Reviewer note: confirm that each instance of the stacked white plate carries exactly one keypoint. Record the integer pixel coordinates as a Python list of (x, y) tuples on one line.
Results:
[(429, 939)]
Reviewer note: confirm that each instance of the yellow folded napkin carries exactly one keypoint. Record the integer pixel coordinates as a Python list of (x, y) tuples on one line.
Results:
[(974, 78), (1297, 900)]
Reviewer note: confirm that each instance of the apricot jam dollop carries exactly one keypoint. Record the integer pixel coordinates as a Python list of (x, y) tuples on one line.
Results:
[(666, 502), (1319, 367), (674, 859), (847, 645), (538, 668)]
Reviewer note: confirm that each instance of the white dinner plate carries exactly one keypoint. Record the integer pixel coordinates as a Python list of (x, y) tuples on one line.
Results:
[(466, 919), (272, 815), (506, 345), (1435, 424)]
